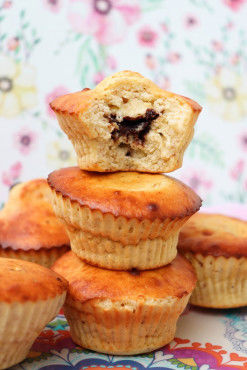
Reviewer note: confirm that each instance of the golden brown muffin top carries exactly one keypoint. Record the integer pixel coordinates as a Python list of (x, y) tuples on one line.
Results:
[(215, 235), (27, 221), (127, 194), (22, 281), (87, 282), (77, 103)]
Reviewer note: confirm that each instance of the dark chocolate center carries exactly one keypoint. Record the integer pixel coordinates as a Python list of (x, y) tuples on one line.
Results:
[(135, 127)]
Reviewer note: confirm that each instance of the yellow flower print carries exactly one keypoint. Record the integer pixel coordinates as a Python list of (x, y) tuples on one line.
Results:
[(61, 154), (17, 90), (226, 92)]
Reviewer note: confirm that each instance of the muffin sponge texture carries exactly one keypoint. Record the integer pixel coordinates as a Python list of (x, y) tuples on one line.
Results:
[(127, 123)]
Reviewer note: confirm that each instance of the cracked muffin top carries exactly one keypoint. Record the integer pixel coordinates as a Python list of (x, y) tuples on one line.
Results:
[(127, 194), (23, 281), (87, 282), (27, 221), (215, 235)]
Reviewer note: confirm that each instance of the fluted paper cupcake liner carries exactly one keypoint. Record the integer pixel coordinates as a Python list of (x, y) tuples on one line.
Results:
[(124, 328), (44, 257), (222, 281), (105, 253), (21, 323), (119, 229)]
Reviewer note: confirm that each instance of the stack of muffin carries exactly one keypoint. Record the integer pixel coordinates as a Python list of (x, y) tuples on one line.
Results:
[(127, 286)]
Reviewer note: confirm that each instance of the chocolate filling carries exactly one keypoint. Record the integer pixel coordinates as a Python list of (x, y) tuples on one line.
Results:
[(135, 127)]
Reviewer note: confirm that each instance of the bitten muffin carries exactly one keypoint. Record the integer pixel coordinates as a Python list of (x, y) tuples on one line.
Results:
[(121, 312), (29, 229), (30, 296), (127, 123), (122, 220), (216, 245)]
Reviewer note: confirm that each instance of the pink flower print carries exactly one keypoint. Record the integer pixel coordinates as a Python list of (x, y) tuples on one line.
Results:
[(173, 57), (243, 141), (57, 91), (147, 37), (165, 83), (190, 21), (234, 5), (106, 20), (11, 176), (150, 61), (13, 43), (7, 4), (235, 59), (53, 5), (198, 181), (217, 45), (230, 25), (111, 62), (24, 140), (237, 170), (245, 184), (98, 77), (164, 27)]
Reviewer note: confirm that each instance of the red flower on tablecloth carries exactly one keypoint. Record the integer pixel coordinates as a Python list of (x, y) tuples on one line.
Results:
[(11, 176), (147, 37), (57, 91), (106, 20), (53, 5), (24, 140), (234, 5)]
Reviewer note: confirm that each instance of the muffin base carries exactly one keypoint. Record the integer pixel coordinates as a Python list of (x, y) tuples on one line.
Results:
[(105, 253), (119, 229), (221, 281), (21, 323), (44, 257), (124, 328)]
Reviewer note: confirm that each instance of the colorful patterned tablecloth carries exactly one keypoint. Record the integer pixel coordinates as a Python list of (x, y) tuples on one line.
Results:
[(205, 340)]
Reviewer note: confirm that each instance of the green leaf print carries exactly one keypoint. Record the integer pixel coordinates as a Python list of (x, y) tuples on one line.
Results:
[(205, 147)]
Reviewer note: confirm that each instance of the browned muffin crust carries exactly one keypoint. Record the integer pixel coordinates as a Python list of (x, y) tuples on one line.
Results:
[(76, 103), (215, 235), (27, 222), (23, 281), (127, 194), (87, 282)]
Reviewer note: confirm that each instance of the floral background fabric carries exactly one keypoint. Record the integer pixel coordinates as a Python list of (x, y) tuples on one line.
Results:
[(196, 48)]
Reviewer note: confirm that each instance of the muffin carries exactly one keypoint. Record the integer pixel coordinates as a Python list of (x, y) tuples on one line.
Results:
[(29, 229), (216, 245), (122, 220), (30, 296), (124, 312), (127, 123)]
